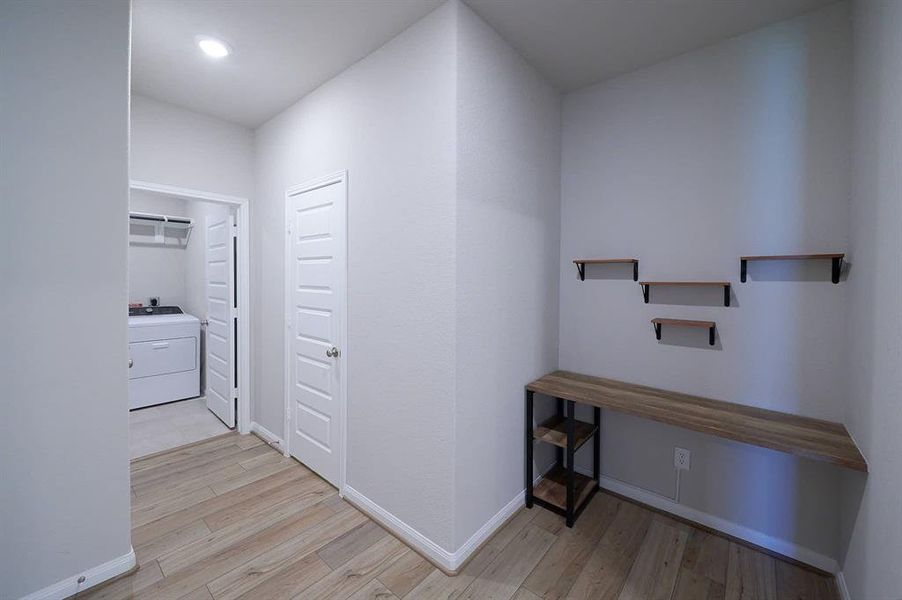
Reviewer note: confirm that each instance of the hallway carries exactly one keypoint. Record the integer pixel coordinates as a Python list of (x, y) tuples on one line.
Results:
[(231, 518)]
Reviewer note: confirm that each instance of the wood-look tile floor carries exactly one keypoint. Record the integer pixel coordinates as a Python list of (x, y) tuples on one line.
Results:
[(231, 518)]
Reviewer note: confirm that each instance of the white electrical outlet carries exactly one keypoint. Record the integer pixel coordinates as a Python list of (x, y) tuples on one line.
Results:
[(681, 458)]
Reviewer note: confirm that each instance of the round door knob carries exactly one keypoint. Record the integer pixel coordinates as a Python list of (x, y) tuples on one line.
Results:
[(332, 352)]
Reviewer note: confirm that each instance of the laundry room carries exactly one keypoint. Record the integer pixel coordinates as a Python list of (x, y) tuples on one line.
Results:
[(181, 291)]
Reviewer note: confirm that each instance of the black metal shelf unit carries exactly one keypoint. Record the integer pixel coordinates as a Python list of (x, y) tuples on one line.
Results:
[(562, 490)]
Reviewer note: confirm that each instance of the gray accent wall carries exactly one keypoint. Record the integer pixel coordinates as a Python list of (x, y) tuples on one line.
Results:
[(389, 120), (508, 241), (64, 496), (737, 148), (872, 504)]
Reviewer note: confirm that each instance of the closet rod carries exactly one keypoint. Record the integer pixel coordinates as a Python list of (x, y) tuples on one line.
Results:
[(160, 218)]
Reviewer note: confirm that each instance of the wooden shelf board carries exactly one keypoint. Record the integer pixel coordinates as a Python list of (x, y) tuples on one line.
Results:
[(683, 322), (604, 261), (794, 256), (553, 487), (582, 262), (786, 432), (693, 283), (554, 431)]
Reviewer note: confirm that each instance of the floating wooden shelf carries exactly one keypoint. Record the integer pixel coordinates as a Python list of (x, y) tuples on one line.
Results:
[(646, 286), (582, 262), (552, 489), (835, 258), (709, 325), (554, 431), (802, 436)]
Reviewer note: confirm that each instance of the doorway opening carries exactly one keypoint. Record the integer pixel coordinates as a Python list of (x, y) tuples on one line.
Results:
[(189, 364)]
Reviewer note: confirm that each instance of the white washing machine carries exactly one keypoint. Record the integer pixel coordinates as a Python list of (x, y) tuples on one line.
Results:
[(164, 356)]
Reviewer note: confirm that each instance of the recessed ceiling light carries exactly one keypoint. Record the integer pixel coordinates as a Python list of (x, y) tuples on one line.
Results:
[(212, 47)]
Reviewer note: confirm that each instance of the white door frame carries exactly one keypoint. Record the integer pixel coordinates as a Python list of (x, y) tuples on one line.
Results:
[(340, 177), (243, 283)]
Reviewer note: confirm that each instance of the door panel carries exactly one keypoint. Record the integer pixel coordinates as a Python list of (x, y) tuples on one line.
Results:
[(314, 427), (316, 272), (316, 325), (220, 354)]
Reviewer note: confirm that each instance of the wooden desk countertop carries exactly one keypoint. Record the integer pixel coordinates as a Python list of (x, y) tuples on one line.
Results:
[(803, 436)]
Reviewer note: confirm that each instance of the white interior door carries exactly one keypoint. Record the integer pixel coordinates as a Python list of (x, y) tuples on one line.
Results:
[(220, 284), (315, 274)]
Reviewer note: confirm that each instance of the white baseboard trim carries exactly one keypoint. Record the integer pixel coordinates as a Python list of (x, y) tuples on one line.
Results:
[(843, 588), (450, 561), (488, 530), (800, 553), (93, 576), (408, 534), (267, 436)]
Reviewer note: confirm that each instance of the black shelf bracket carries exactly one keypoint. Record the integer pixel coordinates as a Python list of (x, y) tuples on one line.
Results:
[(645, 291), (837, 268), (657, 327), (743, 269), (726, 295), (711, 335), (636, 271)]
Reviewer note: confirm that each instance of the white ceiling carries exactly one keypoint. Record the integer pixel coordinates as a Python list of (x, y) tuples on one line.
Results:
[(575, 43), (284, 49)]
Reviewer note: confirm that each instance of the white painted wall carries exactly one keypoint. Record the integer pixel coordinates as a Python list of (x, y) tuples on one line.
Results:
[(155, 270), (175, 273), (175, 146), (507, 246), (64, 497), (872, 509), (390, 121), (737, 148)]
